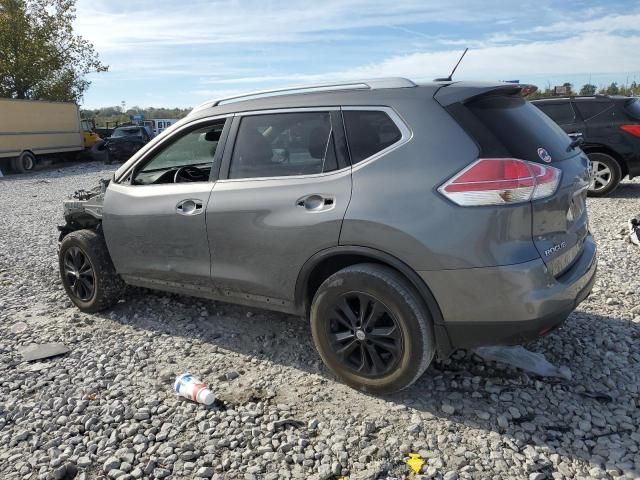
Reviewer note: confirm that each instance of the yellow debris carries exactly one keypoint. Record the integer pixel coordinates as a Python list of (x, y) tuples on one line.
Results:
[(415, 462)]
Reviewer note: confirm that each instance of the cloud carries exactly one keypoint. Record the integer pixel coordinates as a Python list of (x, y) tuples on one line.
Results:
[(194, 49)]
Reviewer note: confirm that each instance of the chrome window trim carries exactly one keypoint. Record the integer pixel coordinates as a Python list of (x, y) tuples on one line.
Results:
[(406, 134), (159, 140), (346, 169)]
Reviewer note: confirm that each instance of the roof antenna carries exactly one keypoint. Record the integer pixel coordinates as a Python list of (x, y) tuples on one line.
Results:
[(448, 79)]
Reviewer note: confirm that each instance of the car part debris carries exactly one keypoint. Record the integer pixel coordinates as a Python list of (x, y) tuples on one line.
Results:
[(288, 421), (415, 462), (634, 230), (190, 387), (18, 327), (41, 351), (519, 357), (600, 396)]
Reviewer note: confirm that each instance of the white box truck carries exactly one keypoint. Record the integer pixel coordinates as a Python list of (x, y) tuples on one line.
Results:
[(32, 130)]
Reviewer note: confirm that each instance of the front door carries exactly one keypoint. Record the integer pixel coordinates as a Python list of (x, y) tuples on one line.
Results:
[(154, 221), (285, 194)]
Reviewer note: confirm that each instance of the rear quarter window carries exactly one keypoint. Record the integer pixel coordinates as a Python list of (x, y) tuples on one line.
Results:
[(633, 108), (591, 108), (369, 132)]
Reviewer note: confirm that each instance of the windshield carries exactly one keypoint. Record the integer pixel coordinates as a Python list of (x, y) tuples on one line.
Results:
[(127, 132)]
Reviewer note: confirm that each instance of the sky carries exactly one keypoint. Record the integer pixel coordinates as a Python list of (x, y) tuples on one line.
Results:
[(182, 53)]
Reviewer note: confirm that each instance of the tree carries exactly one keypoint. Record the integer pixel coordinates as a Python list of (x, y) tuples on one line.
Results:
[(569, 88), (588, 89), (613, 89), (40, 56)]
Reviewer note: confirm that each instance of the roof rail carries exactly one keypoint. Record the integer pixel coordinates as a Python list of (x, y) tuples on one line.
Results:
[(371, 84)]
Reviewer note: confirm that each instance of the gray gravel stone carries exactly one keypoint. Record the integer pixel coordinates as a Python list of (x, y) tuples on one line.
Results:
[(282, 416)]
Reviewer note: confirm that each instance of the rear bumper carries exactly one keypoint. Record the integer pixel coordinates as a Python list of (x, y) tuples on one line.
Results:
[(509, 304)]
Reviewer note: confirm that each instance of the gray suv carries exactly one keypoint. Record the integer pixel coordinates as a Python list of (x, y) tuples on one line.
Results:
[(404, 220)]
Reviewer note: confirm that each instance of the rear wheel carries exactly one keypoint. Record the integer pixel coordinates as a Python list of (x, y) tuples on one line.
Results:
[(605, 174), (87, 273), (372, 329), (24, 163)]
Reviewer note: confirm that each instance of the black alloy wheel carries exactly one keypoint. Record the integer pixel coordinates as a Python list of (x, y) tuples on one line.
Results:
[(79, 274), (365, 335)]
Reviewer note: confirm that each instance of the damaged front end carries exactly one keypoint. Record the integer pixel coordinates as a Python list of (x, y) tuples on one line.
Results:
[(83, 209)]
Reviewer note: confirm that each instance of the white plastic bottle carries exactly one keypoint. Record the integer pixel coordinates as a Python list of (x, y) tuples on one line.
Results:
[(190, 387)]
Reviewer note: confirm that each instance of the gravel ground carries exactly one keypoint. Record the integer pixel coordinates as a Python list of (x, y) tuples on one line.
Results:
[(107, 408)]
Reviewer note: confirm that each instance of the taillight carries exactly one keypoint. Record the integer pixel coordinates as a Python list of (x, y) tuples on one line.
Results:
[(499, 181), (632, 129)]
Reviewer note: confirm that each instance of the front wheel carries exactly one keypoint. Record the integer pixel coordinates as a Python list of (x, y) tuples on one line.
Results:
[(87, 273), (372, 329), (605, 174)]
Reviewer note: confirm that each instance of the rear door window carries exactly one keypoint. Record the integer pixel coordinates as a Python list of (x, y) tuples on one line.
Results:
[(284, 144), (591, 108), (561, 113), (369, 132)]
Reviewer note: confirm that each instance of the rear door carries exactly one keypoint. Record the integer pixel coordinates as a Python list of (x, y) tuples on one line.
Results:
[(509, 126), (284, 197)]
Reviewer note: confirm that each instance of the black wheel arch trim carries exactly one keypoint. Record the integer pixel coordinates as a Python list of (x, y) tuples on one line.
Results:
[(302, 303)]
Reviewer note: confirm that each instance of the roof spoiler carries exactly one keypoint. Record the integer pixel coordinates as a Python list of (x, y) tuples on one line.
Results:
[(466, 92)]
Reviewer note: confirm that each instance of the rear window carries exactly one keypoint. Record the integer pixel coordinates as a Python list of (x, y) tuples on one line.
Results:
[(590, 108), (369, 132), (561, 113), (510, 126), (127, 132), (633, 108)]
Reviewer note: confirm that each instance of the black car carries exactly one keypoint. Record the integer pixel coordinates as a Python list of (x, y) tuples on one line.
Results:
[(122, 144), (610, 128)]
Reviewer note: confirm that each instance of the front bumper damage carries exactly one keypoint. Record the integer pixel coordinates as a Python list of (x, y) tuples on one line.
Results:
[(83, 209)]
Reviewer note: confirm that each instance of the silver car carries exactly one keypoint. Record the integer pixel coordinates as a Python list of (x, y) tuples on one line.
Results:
[(404, 220)]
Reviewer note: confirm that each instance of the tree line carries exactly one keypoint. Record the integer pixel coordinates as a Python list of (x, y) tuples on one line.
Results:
[(116, 114), (633, 89)]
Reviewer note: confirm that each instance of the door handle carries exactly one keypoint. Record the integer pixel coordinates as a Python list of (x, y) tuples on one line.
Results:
[(316, 203), (190, 206), (575, 134)]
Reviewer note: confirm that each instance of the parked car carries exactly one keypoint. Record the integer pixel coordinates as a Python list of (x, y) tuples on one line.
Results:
[(123, 142), (404, 220), (104, 132), (610, 128)]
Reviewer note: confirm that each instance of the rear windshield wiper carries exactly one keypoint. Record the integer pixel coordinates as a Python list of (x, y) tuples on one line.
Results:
[(576, 142)]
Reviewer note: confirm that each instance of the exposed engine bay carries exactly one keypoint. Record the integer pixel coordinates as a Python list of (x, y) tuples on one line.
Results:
[(83, 209)]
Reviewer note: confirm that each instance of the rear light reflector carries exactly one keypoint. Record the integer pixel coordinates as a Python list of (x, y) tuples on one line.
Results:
[(632, 129), (501, 181)]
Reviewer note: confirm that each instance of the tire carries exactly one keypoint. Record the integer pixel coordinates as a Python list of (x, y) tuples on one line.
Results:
[(24, 163), (87, 273), (101, 153), (606, 174), (402, 315)]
